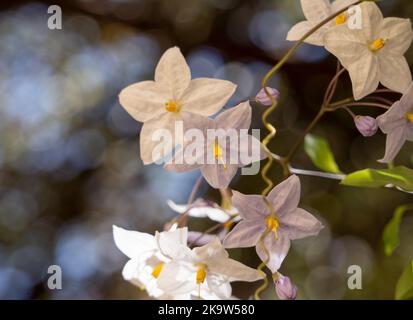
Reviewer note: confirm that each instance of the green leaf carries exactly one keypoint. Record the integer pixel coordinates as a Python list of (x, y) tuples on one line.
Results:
[(404, 286), (401, 177), (318, 149), (391, 231)]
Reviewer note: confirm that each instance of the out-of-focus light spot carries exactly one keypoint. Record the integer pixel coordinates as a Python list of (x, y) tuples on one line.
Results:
[(14, 284), (268, 30), (204, 62), (121, 122), (76, 254), (242, 76), (85, 149), (325, 283), (17, 208)]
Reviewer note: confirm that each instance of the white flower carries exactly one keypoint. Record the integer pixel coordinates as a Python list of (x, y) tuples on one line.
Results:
[(147, 261), (374, 53), (316, 11), (207, 267), (204, 209), (158, 104)]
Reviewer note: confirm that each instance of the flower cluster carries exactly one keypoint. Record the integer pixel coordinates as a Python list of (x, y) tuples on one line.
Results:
[(370, 49)]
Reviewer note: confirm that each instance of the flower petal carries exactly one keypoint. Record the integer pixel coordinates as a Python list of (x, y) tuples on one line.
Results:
[(365, 76), (173, 72), (219, 286), (393, 118), (206, 96), (277, 249), (301, 28), (394, 142), (212, 250), (144, 100), (133, 243), (316, 10), (398, 34), (234, 270), (285, 196), (177, 277), (347, 45), (372, 19), (250, 207), (163, 126), (395, 72), (300, 224), (250, 150), (219, 176), (237, 118), (173, 244), (245, 234)]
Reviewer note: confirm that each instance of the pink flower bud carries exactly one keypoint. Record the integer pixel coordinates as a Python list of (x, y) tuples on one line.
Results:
[(285, 289), (366, 125), (263, 98)]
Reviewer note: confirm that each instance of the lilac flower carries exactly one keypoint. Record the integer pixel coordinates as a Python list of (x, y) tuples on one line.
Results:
[(397, 123), (366, 125), (215, 154), (263, 98), (285, 288), (287, 222)]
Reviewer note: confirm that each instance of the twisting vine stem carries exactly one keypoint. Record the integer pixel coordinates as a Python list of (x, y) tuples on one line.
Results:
[(284, 162)]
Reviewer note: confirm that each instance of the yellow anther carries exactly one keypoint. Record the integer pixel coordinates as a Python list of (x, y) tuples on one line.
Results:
[(341, 18), (218, 152), (228, 224), (409, 116), (157, 270), (201, 273), (172, 106), (377, 44), (272, 223)]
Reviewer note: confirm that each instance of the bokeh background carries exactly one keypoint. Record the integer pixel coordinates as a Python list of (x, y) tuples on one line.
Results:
[(69, 154)]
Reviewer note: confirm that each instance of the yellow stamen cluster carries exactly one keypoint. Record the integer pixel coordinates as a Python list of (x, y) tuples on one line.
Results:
[(409, 116), (201, 273), (341, 18), (228, 224), (172, 106), (218, 152), (272, 223), (377, 44), (157, 270)]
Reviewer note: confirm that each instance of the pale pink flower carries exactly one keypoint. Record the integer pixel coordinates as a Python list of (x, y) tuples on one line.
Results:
[(287, 223)]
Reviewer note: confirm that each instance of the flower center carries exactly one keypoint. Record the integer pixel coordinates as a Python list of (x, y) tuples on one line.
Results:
[(409, 117), (172, 106), (217, 150), (272, 223), (377, 44), (157, 270), (218, 153), (341, 18), (200, 273), (228, 224)]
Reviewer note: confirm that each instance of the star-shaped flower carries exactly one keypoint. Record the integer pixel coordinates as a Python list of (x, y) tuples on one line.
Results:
[(158, 104), (375, 53), (286, 222), (147, 260), (218, 155), (207, 266), (397, 123), (316, 11), (204, 209)]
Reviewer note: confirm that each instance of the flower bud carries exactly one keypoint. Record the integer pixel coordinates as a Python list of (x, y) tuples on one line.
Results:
[(366, 125), (264, 99), (285, 289)]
